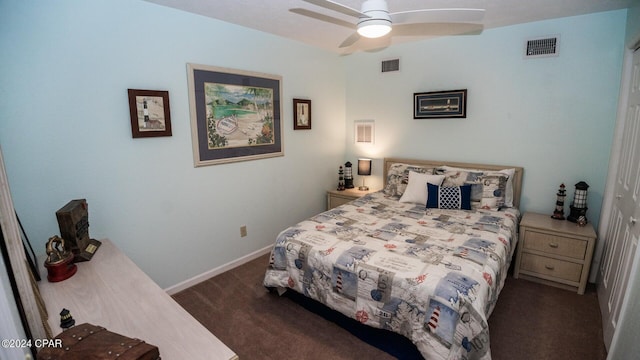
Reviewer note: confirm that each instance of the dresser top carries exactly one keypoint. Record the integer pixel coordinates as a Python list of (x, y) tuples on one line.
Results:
[(353, 192), (545, 222), (111, 291)]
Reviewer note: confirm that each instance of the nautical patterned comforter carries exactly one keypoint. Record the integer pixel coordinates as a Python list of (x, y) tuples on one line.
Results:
[(431, 275)]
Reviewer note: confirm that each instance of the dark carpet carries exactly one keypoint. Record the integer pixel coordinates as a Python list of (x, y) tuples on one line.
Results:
[(530, 321)]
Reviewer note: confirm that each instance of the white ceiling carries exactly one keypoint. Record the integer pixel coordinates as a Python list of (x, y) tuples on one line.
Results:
[(273, 16)]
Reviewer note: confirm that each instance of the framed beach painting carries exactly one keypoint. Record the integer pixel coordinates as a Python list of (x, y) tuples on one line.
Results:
[(236, 115)]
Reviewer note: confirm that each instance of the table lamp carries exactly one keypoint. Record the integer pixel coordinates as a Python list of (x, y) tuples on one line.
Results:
[(364, 169)]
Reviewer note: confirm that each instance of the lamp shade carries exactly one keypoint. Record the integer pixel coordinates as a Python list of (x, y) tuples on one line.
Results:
[(364, 166)]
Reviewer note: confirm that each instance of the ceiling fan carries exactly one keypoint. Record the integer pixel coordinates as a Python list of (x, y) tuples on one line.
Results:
[(375, 21)]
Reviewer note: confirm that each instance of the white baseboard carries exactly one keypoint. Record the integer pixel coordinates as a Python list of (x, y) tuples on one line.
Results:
[(217, 271)]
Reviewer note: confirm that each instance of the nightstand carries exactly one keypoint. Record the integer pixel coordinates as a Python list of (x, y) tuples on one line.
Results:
[(337, 198), (554, 252)]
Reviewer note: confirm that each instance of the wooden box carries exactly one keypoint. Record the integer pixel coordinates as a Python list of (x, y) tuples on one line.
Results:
[(87, 341), (73, 221)]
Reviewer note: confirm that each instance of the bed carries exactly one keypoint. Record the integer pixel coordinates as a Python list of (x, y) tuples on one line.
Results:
[(426, 257)]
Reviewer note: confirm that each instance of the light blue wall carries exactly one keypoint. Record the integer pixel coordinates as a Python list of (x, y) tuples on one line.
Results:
[(65, 67), (553, 116)]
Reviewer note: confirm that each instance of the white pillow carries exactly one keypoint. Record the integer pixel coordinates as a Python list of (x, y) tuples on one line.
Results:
[(508, 200), (416, 191)]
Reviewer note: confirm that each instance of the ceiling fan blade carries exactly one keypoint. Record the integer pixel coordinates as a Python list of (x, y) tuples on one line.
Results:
[(373, 45), (356, 42), (462, 15), (332, 5), (322, 17), (436, 29), (350, 40)]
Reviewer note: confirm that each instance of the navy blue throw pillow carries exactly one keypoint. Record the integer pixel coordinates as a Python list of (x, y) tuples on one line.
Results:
[(449, 197)]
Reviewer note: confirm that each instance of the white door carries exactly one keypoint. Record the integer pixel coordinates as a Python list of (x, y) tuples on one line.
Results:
[(623, 232)]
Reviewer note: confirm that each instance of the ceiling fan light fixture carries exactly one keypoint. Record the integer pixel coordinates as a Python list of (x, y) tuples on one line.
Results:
[(374, 28), (375, 21)]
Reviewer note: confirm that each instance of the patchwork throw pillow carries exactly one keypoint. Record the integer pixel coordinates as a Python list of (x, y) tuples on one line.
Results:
[(449, 197), (460, 176), (398, 177), (493, 191), (416, 191)]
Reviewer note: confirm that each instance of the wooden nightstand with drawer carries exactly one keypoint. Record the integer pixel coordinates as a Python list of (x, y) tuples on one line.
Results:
[(337, 198), (554, 252)]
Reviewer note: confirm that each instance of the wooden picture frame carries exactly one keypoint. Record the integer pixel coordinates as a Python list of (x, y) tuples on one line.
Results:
[(301, 114), (440, 104), (235, 115), (150, 113)]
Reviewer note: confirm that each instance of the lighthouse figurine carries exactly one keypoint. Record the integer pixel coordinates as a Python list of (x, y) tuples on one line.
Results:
[(340, 179), (558, 213), (578, 209), (348, 175)]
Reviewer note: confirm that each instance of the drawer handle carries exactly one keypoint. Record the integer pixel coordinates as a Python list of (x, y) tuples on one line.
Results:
[(553, 245), (549, 267)]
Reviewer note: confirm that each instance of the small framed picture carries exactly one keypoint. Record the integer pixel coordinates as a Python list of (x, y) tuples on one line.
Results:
[(440, 104), (150, 115), (301, 114)]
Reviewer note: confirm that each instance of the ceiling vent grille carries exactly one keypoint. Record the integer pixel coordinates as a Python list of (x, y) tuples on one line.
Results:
[(542, 47), (390, 65)]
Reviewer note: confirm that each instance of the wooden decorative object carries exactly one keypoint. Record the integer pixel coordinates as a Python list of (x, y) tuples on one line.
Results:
[(73, 221), (59, 261), (87, 341)]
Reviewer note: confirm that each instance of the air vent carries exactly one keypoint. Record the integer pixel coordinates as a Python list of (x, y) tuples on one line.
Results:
[(364, 131), (390, 65), (542, 47)]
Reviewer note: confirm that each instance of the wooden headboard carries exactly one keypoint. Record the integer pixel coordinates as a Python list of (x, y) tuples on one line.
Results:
[(517, 179)]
